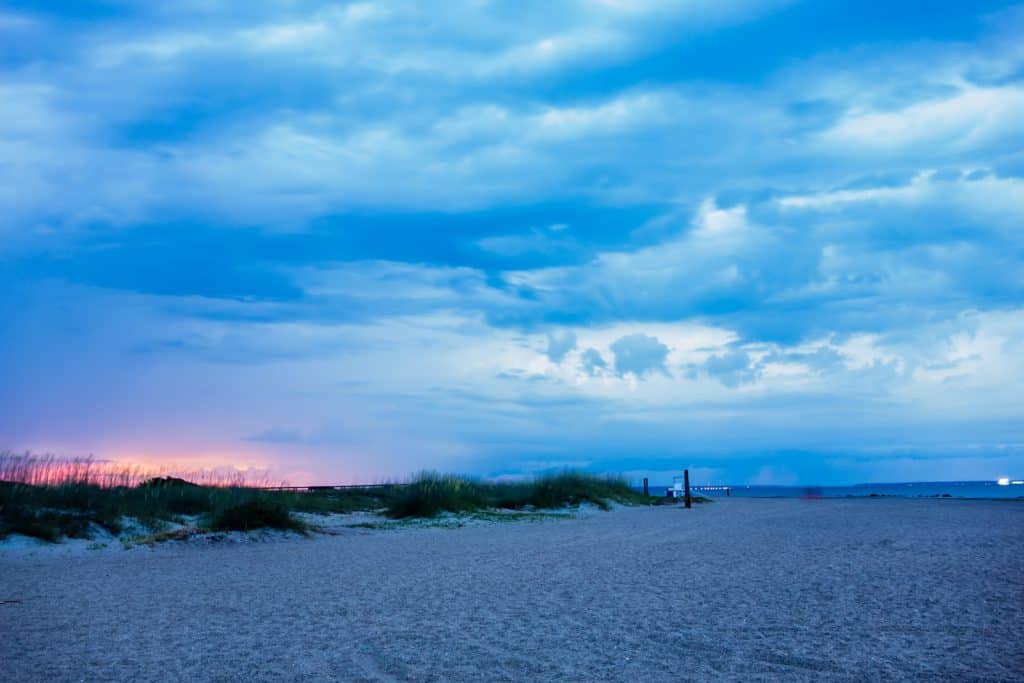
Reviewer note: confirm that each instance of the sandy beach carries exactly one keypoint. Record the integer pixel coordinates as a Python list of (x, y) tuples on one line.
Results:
[(784, 589)]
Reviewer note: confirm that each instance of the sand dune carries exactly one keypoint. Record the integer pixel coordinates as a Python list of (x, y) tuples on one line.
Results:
[(837, 589)]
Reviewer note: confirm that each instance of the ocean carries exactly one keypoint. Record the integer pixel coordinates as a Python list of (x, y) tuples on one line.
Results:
[(918, 489)]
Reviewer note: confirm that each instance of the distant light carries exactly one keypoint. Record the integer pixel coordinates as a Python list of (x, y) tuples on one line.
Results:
[(1003, 481)]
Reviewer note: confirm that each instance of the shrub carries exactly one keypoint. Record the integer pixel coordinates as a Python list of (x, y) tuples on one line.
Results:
[(43, 524), (255, 514), (164, 482)]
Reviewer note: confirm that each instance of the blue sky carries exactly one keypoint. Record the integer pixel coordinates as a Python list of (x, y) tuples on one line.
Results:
[(775, 242)]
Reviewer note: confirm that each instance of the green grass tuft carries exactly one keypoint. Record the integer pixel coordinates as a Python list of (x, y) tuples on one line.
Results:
[(430, 494), (47, 525), (255, 514)]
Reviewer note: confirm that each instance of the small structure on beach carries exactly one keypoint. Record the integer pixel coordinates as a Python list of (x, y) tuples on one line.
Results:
[(680, 488), (677, 490)]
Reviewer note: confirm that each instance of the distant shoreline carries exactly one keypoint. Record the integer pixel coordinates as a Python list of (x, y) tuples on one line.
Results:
[(971, 490)]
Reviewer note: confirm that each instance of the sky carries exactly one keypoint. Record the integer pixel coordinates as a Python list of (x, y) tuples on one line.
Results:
[(775, 242)]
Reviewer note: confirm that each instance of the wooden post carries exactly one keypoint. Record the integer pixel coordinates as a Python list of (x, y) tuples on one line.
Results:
[(646, 493), (686, 485)]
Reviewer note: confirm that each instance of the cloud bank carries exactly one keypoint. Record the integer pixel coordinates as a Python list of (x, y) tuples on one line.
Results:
[(350, 240)]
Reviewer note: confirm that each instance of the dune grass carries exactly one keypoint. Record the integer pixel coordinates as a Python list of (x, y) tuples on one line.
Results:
[(256, 514), (71, 502), (76, 510), (430, 494), (50, 498)]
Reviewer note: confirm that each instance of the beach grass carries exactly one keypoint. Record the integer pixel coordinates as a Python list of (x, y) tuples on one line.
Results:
[(256, 514), (51, 499), (75, 510), (430, 493)]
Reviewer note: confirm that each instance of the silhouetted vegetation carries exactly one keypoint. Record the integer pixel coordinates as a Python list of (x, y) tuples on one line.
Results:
[(77, 510), (430, 494), (255, 514), (158, 482), (45, 524), (50, 499)]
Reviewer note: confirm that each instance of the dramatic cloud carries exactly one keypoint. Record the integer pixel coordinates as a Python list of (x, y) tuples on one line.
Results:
[(639, 354), (354, 239), (731, 369)]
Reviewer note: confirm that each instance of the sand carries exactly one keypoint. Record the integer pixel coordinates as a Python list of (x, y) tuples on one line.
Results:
[(740, 589)]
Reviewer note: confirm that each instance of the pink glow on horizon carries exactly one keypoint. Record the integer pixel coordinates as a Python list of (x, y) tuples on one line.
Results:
[(251, 463), (256, 462), (49, 470)]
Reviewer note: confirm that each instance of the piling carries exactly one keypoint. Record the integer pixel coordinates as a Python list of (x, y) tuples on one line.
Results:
[(686, 486), (646, 491)]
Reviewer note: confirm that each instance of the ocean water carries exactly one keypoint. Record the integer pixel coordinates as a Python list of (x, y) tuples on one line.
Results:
[(919, 489)]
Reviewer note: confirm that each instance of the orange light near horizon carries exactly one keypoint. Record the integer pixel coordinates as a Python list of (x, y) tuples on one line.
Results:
[(49, 471)]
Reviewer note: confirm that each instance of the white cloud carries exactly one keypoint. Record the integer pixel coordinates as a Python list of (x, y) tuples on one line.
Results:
[(164, 47), (284, 35), (971, 117), (713, 220), (623, 114), (554, 52), (57, 174), (709, 258), (995, 201)]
